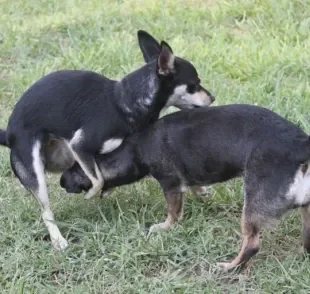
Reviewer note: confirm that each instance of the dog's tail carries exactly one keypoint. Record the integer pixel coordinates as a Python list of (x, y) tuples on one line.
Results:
[(3, 141)]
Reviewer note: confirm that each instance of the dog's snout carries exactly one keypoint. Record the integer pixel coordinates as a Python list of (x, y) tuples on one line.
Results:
[(212, 98)]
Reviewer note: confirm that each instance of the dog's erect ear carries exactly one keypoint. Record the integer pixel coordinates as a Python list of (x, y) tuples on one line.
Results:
[(166, 59), (148, 45)]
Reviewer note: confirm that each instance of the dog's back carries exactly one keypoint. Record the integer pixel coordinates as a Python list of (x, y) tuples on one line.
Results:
[(205, 146), (69, 96), (213, 144)]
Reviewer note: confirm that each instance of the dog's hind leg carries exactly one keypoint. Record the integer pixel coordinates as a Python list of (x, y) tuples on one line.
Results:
[(28, 167), (250, 244), (305, 212), (263, 205), (175, 203), (87, 162)]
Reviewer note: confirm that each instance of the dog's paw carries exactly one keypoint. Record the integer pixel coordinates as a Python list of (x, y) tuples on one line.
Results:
[(224, 266), (90, 194), (201, 191), (60, 244), (104, 195)]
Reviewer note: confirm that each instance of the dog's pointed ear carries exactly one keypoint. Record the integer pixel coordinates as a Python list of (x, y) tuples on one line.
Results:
[(166, 59), (149, 46)]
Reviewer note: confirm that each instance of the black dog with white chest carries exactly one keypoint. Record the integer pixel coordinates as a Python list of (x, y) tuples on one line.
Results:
[(70, 116), (212, 145)]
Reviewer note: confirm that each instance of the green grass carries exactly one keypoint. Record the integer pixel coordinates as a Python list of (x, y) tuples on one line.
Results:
[(255, 52)]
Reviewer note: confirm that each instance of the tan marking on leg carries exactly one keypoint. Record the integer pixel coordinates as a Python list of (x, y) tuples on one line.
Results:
[(175, 204), (250, 244)]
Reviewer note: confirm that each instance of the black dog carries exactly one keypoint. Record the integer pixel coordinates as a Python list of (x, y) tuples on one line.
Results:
[(70, 116), (212, 145)]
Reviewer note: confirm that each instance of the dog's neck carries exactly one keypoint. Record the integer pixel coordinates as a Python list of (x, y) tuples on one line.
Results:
[(122, 166), (142, 95)]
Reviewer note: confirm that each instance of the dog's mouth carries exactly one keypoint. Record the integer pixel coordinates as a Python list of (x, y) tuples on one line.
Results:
[(193, 106)]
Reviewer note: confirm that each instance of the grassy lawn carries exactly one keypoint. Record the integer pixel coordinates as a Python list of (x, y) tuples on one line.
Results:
[(248, 51)]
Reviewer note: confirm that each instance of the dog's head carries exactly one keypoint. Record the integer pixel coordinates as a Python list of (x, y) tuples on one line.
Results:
[(185, 90), (74, 180)]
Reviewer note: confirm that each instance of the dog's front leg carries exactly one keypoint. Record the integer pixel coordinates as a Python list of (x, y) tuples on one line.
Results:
[(175, 203), (305, 212)]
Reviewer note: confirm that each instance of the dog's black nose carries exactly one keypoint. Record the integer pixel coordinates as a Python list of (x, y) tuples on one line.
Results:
[(212, 98)]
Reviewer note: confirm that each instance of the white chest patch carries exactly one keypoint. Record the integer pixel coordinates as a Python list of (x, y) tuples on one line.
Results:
[(77, 137), (300, 188), (179, 93), (110, 145)]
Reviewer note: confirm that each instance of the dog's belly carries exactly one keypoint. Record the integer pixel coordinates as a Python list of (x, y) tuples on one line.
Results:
[(58, 157), (203, 176)]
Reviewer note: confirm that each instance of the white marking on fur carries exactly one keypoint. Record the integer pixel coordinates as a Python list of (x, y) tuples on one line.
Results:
[(39, 171), (299, 190), (21, 171), (183, 99), (146, 100), (151, 90), (58, 241), (77, 137), (97, 182), (183, 188), (110, 145), (97, 185), (180, 91), (128, 109)]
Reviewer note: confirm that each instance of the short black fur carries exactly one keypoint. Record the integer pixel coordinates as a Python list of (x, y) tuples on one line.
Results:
[(72, 115), (212, 145)]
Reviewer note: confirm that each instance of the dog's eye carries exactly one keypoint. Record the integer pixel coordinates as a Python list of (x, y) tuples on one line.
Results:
[(192, 88)]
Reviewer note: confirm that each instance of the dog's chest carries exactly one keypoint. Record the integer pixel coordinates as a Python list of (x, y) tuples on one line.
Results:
[(299, 190)]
